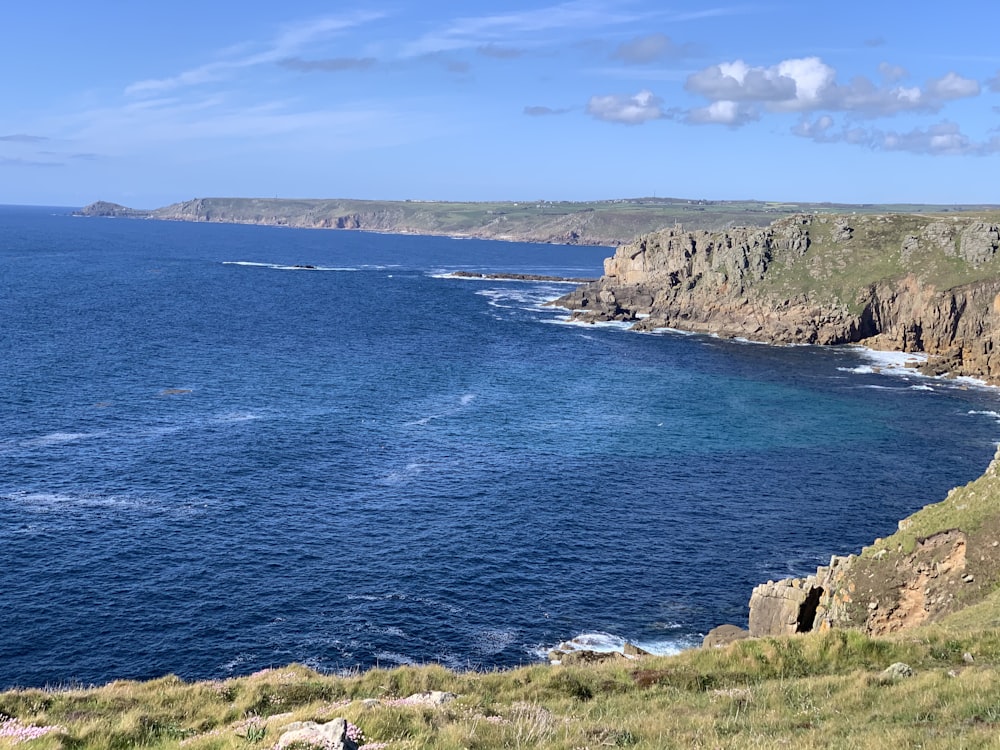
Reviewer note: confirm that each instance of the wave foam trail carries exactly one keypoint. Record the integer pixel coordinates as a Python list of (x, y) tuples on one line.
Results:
[(993, 414), (58, 438)]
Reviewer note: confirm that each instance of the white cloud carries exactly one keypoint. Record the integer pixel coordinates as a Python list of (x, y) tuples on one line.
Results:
[(812, 77), (809, 85), (952, 86), (722, 113), (792, 84), (942, 139), (817, 130), (628, 110)]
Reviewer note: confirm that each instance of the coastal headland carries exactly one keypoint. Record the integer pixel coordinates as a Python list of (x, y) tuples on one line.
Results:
[(899, 645), (606, 222), (926, 284)]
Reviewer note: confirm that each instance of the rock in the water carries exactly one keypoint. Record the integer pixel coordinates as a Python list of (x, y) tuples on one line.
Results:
[(330, 736), (724, 635)]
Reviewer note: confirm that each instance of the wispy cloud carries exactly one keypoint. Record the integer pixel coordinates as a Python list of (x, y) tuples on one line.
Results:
[(451, 64), (329, 65), (17, 162), (472, 32), (540, 111), (499, 52), (23, 138), (650, 48), (286, 45)]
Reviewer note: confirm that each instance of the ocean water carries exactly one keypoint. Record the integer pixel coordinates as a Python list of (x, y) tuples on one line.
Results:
[(212, 461)]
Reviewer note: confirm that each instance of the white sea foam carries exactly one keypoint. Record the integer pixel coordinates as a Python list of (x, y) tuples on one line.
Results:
[(524, 298), (903, 364), (620, 325), (464, 400), (46, 502), (992, 414), (890, 360), (393, 657), (58, 438), (494, 641), (607, 643), (667, 329), (238, 416), (280, 267)]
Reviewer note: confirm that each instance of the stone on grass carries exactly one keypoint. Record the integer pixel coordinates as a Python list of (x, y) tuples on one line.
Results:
[(330, 736)]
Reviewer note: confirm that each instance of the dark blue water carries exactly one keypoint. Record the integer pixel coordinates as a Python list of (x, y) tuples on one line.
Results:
[(207, 468)]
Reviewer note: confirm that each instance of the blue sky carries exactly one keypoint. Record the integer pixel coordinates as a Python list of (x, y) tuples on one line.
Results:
[(150, 103)]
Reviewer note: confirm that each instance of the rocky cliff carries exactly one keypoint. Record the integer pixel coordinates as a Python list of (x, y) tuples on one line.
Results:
[(942, 559), (912, 283)]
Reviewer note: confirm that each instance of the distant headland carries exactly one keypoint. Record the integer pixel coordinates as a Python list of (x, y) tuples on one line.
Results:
[(609, 222)]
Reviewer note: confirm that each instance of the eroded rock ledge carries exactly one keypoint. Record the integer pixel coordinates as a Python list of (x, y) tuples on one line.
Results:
[(942, 559), (901, 282)]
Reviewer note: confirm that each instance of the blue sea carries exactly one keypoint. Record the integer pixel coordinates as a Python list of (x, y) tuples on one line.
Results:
[(213, 462)]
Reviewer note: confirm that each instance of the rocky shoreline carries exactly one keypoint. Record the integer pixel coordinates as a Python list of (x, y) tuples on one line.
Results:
[(899, 283), (518, 277)]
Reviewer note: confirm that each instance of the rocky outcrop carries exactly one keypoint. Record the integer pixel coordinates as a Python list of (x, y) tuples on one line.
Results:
[(519, 277), (331, 736), (723, 635), (907, 283), (111, 210), (942, 559)]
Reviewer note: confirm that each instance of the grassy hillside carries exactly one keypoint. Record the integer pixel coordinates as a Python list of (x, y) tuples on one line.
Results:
[(880, 247), (811, 691)]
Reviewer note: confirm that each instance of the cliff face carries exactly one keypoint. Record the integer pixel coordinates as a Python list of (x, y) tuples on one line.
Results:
[(943, 558), (911, 283)]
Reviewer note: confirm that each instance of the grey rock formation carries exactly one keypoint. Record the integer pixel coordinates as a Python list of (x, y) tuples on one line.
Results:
[(784, 607), (330, 736), (723, 635)]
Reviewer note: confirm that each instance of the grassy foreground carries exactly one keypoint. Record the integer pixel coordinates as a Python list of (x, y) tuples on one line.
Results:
[(822, 690)]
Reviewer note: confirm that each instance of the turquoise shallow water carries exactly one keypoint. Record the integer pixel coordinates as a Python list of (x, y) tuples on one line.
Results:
[(211, 462)]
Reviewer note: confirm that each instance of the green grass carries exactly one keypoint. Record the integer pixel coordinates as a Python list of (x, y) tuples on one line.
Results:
[(811, 691), (836, 271)]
